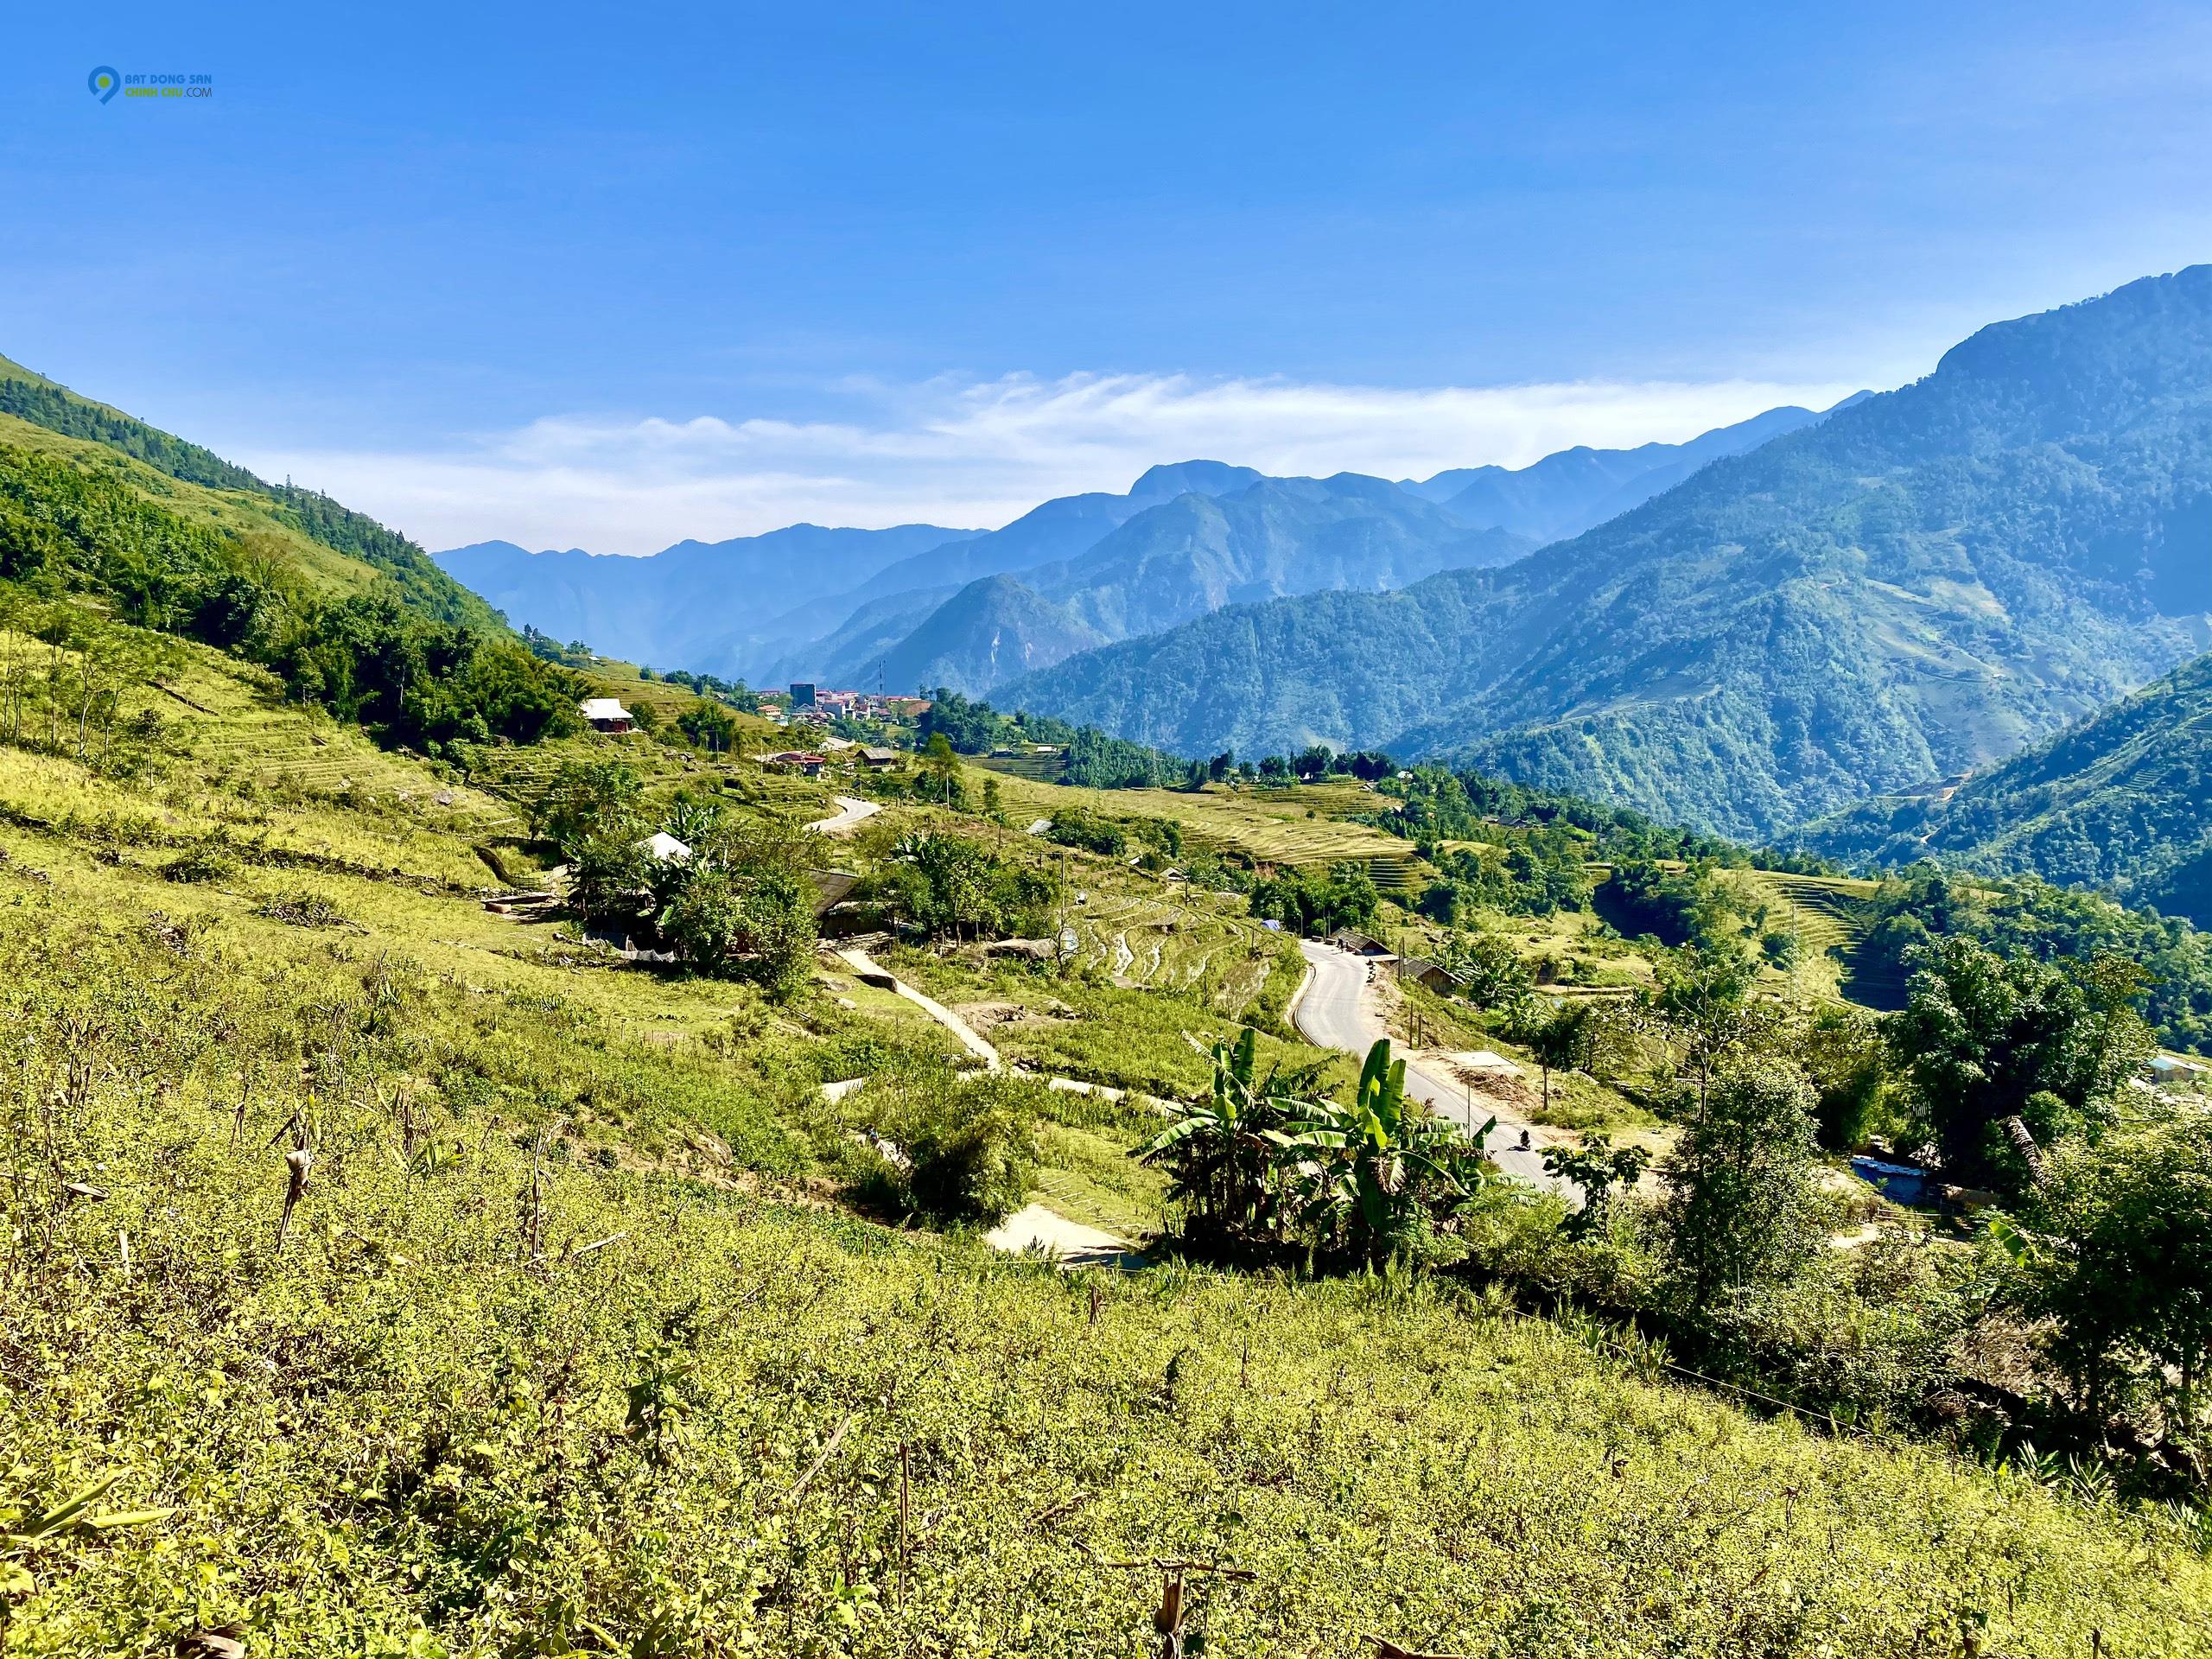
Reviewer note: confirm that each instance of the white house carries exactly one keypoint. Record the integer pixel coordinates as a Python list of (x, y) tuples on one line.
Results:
[(605, 715), (665, 847)]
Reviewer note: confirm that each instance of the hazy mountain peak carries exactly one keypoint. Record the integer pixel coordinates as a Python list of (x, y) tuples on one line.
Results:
[(1173, 479)]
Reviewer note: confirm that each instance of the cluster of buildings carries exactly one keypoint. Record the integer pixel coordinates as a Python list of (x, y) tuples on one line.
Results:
[(808, 763), (608, 715), (808, 704)]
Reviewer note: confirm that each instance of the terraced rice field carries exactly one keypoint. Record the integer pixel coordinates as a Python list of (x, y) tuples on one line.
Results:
[(1168, 941), (1304, 827), (1829, 912)]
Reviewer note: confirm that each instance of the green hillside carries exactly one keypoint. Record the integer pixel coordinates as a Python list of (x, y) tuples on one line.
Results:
[(1920, 584), (580, 1334), (2123, 801), (291, 513), (471, 1185), (104, 518)]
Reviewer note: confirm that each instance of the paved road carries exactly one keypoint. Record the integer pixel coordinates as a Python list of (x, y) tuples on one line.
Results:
[(1338, 1010), (851, 813)]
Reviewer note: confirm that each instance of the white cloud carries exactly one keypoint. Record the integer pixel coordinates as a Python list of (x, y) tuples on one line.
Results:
[(979, 453)]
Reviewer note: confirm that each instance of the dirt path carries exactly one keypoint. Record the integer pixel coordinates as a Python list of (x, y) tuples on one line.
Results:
[(871, 972), (1070, 1244)]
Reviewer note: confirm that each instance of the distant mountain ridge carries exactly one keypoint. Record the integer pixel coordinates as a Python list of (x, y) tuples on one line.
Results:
[(1570, 491), (696, 604), (993, 630), (2121, 801), (1185, 558), (1118, 565), (1919, 584)]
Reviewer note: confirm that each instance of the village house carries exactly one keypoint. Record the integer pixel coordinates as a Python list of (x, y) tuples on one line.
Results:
[(802, 761), (879, 760), (1423, 971), (665, 847), (605, 715)]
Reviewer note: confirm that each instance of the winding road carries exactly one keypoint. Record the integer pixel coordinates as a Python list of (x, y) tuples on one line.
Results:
[(1335, 1009), (851, 813)]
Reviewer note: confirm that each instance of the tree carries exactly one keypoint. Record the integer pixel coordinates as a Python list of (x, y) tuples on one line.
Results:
[(587, 800), (1565, 1039), (780, 929), (1489, 970), (743, 904), (608, 874), (973, 1152), (1704, 999), (1314, 905), (941, 766), (1998, 1048), (2122, 1260), (1597, 1166), (712, 729), (1843, 1051), (705, 920), (1739, 1211)]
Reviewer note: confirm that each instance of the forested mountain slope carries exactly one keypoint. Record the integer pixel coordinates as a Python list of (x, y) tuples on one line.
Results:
[(2122, 801), (105, 519), (1283, 536), (1924, 583), (221, 492), (1184, 559), (993, 629)]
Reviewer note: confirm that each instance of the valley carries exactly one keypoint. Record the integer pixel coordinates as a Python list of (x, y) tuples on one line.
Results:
[(514, 1149)]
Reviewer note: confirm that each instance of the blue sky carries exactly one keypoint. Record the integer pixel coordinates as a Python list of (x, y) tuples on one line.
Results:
[(611, 275)]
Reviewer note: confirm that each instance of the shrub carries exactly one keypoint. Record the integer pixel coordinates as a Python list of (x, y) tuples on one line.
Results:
[(976, 1155), (209, 861), (302, 909)]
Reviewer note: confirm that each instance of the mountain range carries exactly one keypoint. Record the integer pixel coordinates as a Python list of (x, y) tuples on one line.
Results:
[(680, 607), (1185, 558), (2119, 802), (1566, 494), (1913, 627), (863, 608), (1917, 586)]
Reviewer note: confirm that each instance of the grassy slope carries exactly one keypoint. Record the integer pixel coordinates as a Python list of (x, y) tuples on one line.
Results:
[(230, 512), (434, 1412), (1304, 825), (297, 525)]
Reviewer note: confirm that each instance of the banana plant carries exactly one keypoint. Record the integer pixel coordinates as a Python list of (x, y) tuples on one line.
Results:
[(1372, 1172), (1221, 1153)]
